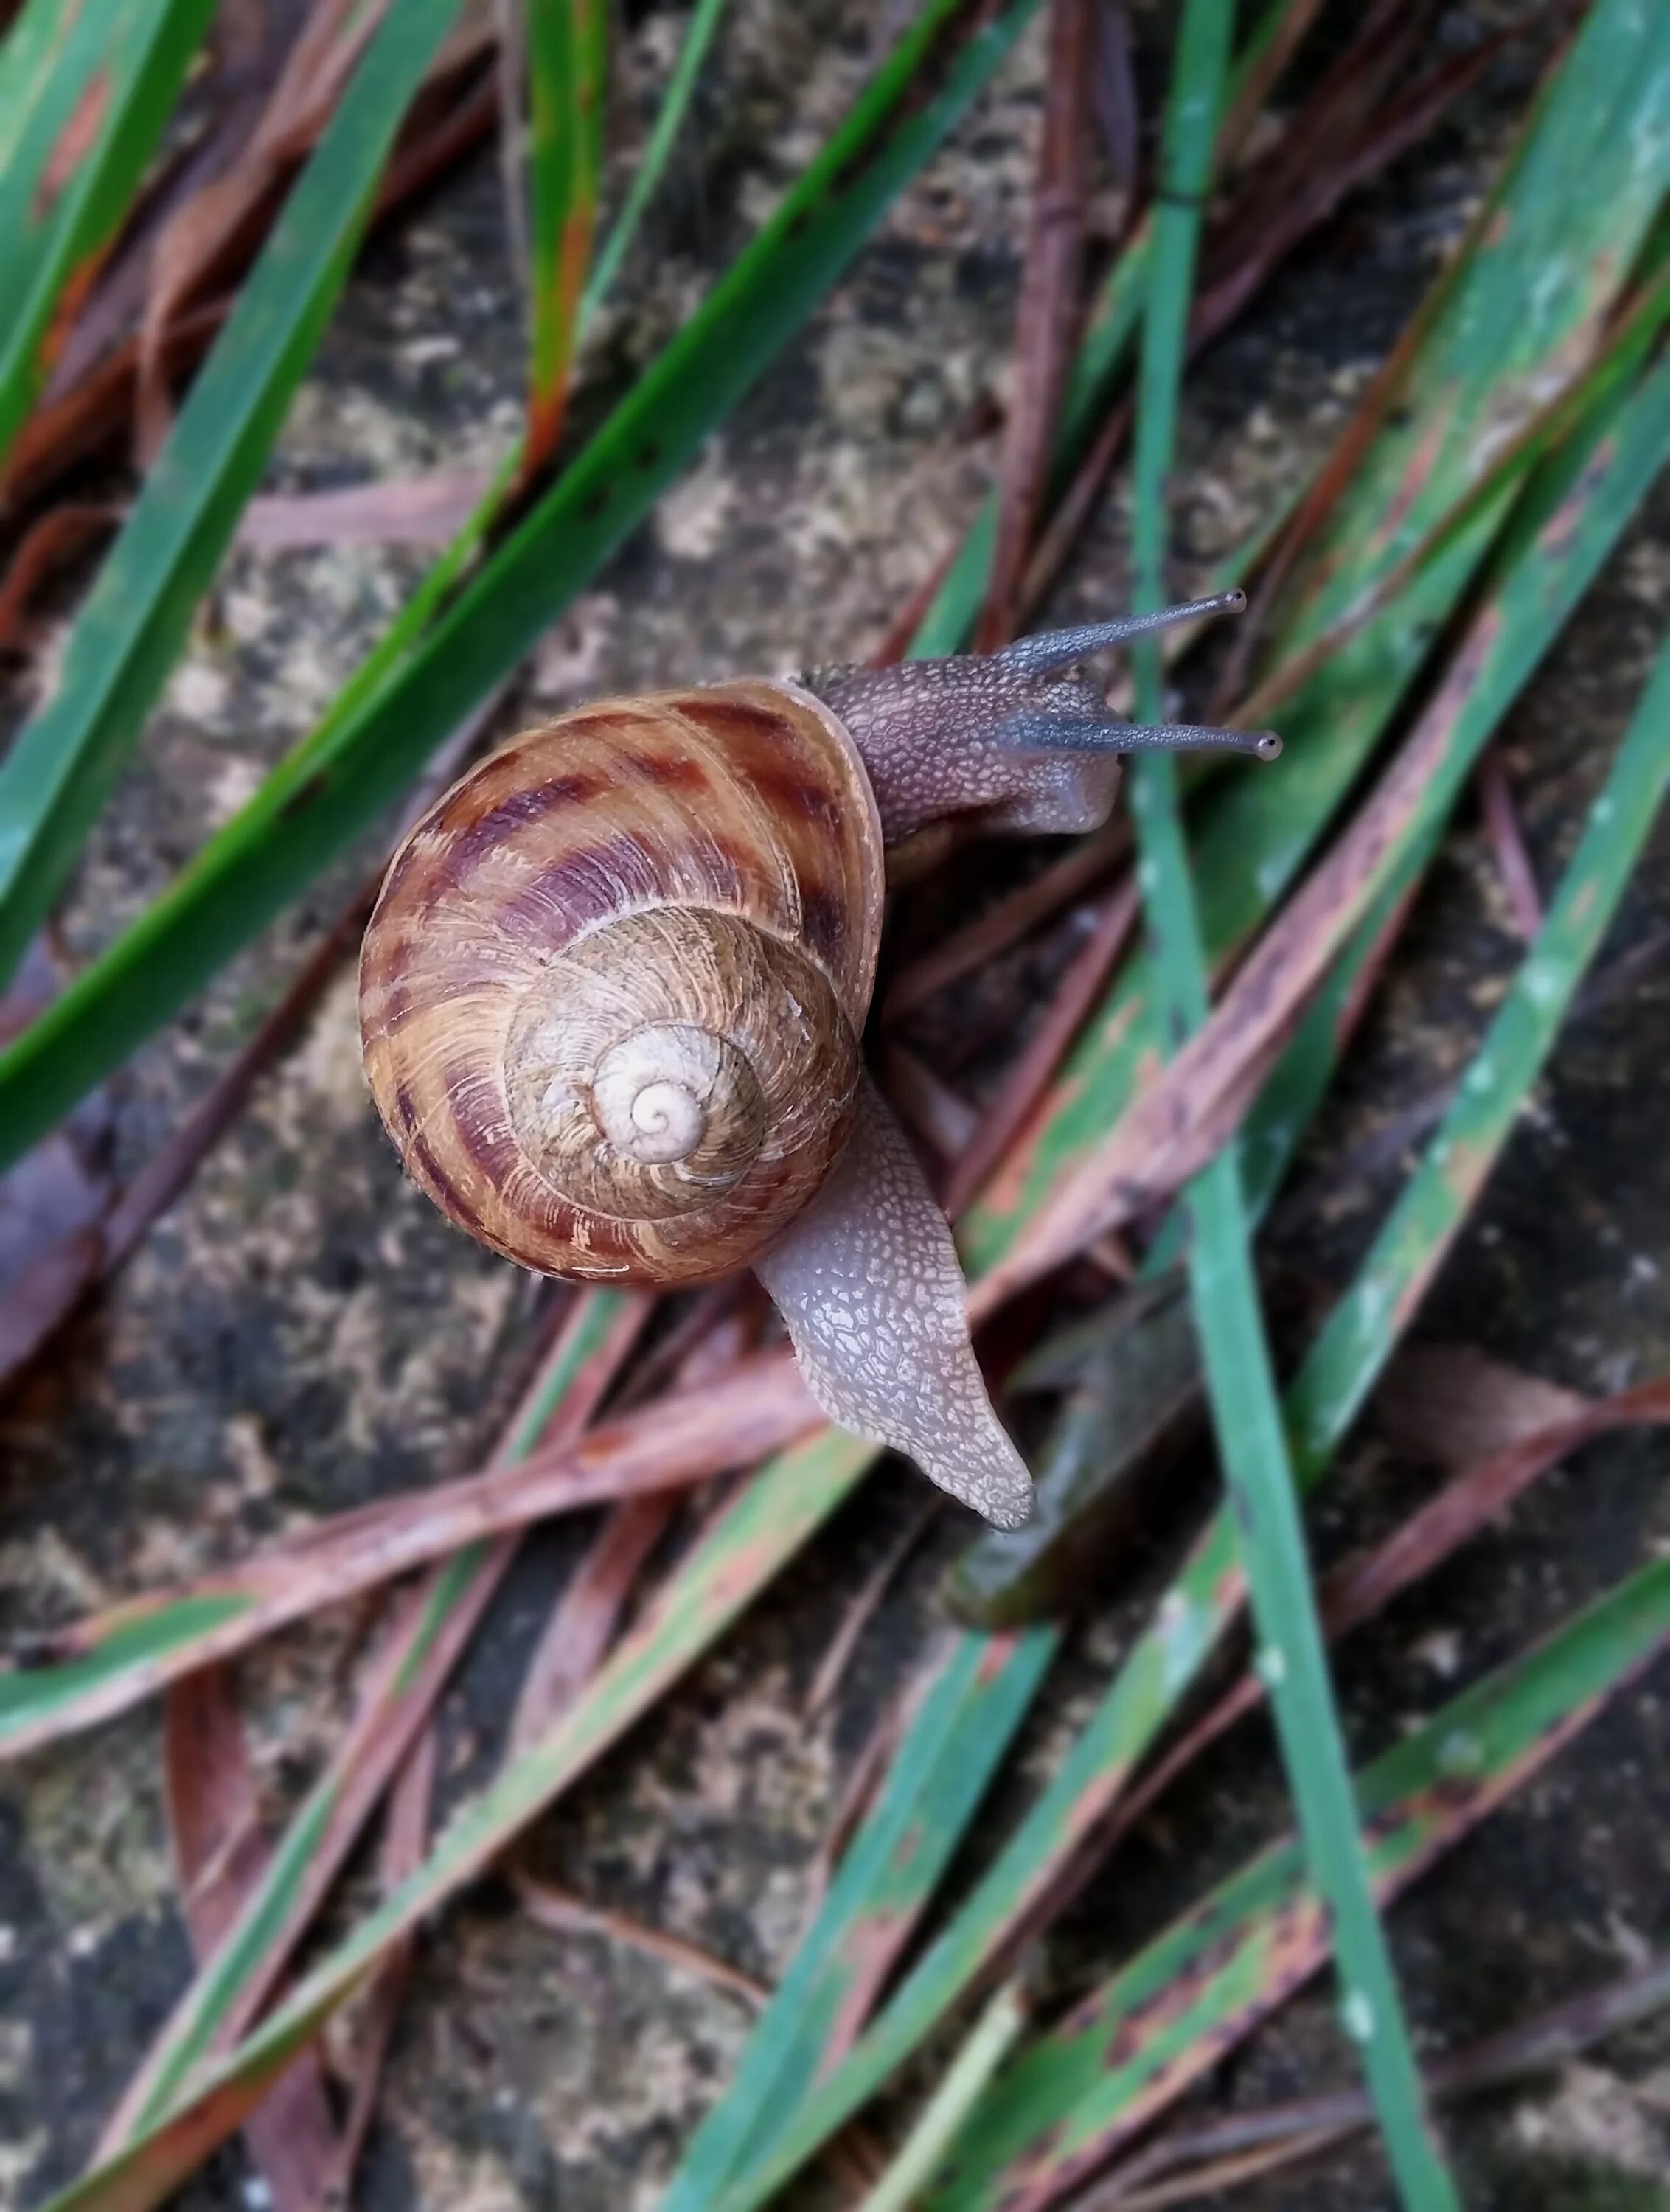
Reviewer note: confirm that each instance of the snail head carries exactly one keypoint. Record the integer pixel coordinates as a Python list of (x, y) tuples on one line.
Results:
[(1021, 735)]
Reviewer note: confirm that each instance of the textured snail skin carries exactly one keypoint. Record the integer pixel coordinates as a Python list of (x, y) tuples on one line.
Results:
[(611, 992), (869, 1283)]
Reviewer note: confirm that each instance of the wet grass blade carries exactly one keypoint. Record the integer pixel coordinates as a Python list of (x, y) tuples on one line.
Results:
[(652, 163), (1476, 376), (567, 41), (128, 634), (1346, 1360), (770, 1520), (1239, 1379), (979, 1692), (85, 94), (326, 794), (1067, 2103)]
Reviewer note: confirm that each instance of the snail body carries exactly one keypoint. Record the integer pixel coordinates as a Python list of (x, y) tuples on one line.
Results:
[(612, 993)]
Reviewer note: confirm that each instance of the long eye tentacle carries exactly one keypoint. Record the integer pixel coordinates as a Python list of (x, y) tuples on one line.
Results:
[(1053, 650)]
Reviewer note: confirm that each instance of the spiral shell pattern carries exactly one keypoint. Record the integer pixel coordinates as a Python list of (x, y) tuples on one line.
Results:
[(610, 995)]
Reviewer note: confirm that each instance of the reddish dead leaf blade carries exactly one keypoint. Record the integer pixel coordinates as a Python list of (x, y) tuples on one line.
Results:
[(427, 511), (1454, 1404), (1004, 925), (759, 1409), (1050, 307), (1034, 1071), (405, 1838), (220, 1852), (1512, 862)]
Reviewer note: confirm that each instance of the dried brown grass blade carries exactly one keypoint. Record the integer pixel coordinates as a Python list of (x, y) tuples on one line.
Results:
[(202, 237), (213, 1817), (559, 1909), (1454, 1404), (425, 511), (50, 543), (761, 1406), (1051, 305), (1512, 862), (405, 1838), (1077, 992), (865, 1601), (1010, 920)]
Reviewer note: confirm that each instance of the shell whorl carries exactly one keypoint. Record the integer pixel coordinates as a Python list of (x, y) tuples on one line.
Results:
[(610, 995)]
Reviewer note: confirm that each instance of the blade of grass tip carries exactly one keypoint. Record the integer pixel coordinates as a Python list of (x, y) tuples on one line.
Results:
[(1160, 2022), (770, 1521), (995, 2036), (56, 777), (566, 42), (1342, 1363), (324, 795), (434, 1625), (1476, 373), (966, 1707), (1240, 1378), (85, 96), (652, 165)]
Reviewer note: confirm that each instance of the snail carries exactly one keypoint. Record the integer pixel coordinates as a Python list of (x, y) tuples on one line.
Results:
[(612, 992)]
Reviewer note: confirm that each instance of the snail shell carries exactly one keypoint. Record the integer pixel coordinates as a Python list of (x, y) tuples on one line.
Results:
[(611, 991)]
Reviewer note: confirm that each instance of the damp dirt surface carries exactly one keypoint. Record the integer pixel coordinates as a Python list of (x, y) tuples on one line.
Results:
[(302, 1334)]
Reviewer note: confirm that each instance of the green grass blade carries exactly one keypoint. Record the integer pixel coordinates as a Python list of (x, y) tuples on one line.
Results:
[(1344, 1363), (566, 42), (670, 117), (85, 92), (1240, 1380), (1481, 370), (316, 801), (127, 635), (999, 2028), (947, 1756), (1067, 2103)]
